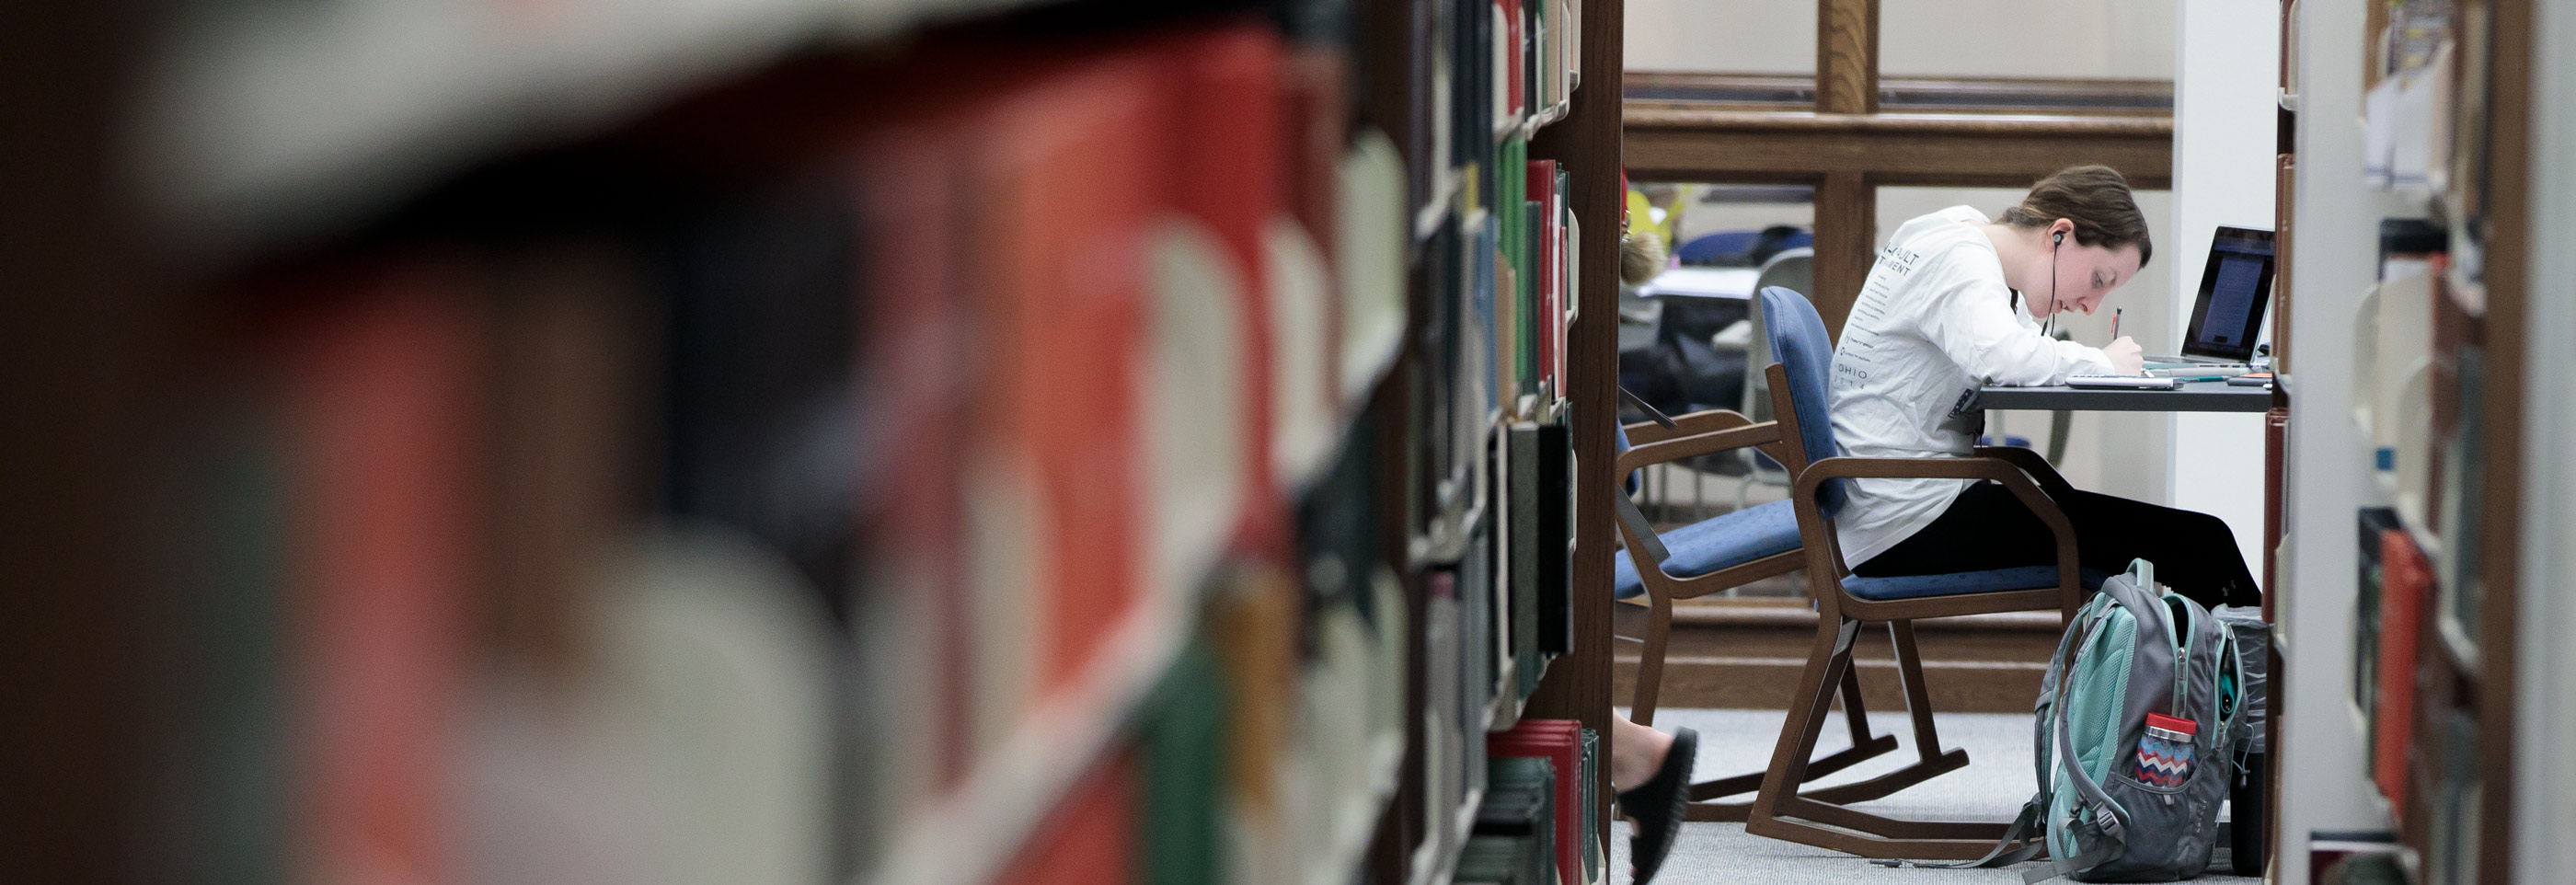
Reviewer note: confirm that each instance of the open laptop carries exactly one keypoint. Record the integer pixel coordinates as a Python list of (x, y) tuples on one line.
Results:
[(2234, 289)]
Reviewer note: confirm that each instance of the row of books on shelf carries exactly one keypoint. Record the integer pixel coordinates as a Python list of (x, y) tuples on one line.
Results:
[(1494, 620), (2417, 699), (1484, 70), (1533, 819), (2419, 398), (1501, 299), (777, 489), (1495, 272), (1538, 822), (1267, 752), (1494, 263)]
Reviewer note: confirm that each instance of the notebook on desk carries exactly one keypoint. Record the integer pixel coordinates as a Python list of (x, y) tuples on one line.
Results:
[(2235, 287), (2122, 382)]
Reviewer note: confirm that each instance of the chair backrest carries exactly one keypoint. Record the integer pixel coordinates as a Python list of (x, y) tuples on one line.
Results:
[(1798, 338), (1707, 248)]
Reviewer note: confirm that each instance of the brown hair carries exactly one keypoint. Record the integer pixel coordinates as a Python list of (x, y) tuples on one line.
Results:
[(2096, 198)]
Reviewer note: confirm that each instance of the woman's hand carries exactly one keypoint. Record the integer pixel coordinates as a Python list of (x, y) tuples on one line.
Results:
[(2125, 355)]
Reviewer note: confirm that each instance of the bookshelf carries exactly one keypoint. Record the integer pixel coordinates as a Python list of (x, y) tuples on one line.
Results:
[(1150, 447), (260, 125), (2401, 694), (1009, 794)]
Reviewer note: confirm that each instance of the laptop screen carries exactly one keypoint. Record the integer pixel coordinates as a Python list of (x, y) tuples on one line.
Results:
[(2234, 290)]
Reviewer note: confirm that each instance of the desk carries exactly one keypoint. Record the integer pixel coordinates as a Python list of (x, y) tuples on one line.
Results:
[(2195, 396)]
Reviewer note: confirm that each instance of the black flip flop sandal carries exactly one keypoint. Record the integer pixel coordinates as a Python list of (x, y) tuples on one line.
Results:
[(1657, 806)]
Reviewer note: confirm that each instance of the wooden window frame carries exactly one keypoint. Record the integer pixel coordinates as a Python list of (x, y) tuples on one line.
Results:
[(1846, 146)]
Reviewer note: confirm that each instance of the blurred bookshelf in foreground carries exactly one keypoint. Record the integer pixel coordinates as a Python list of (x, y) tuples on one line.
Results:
[(1118, 454)]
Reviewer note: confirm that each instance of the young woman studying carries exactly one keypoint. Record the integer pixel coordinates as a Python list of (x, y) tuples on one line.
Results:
[(1955, 302)]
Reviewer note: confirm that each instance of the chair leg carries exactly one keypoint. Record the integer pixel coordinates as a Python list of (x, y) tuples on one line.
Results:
[(1817, 818), (1918, 697), (1827, 661), (1650, 670), (1650, 660), (1863, 748)]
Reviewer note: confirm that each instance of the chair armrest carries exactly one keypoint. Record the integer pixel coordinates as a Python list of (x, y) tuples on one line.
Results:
[(2069, 567), (1765, 436), (2031, 463), (1693, 424)]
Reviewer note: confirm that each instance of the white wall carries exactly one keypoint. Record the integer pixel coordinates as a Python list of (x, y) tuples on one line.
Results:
[(1740, 36), (2028, 38), (2224, 148)]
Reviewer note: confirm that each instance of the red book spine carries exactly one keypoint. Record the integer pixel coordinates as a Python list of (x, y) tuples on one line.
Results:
[(2408, 581), (1511, 54), (380, 387), (1559, 742), (1073, 188), (1090, 839), (1550, 267), (1226, 146)]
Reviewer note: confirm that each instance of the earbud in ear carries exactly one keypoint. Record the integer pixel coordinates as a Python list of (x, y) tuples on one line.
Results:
[(2058, 237)]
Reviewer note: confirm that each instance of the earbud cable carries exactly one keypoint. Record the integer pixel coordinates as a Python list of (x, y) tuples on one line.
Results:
[(2051, 329)]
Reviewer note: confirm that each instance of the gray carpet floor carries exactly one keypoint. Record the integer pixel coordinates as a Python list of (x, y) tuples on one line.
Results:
[(1993, 786)]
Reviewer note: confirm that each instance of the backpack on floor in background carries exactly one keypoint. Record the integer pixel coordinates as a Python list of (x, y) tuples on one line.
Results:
[(2137, 717)]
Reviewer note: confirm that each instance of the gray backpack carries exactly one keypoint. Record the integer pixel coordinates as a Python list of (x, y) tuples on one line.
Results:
[(2137, 716), (2124, 799)]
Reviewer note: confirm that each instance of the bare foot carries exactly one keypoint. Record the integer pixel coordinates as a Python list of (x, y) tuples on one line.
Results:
[(1636, 753)]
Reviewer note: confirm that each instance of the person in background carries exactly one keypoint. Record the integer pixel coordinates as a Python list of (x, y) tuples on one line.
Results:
[(1954, 303)]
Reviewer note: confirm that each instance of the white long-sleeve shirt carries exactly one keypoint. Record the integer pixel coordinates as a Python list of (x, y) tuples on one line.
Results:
[(1933, 323)]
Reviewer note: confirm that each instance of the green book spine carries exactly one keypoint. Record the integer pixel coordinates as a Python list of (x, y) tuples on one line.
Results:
[(1183, 739), (229, 802)]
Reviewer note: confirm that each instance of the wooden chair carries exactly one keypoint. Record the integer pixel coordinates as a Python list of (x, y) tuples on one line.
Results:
[(1709, 556), (1844, 603)]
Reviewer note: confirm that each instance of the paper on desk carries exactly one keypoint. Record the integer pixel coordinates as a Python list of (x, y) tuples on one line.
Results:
[(1703, 282)]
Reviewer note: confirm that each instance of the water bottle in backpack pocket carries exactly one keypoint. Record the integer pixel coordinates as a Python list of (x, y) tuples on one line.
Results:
[(2165, 751)]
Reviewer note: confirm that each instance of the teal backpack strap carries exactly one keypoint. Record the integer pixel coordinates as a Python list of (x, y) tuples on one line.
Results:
[(2024, 840), (2108, 814)]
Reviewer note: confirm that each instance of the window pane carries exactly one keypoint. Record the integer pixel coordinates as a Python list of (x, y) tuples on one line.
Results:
[(1773, 45), (1728, 36), (2039, 39)]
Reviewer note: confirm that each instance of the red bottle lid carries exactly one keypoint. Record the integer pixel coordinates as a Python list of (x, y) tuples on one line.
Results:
[(2171, 723)]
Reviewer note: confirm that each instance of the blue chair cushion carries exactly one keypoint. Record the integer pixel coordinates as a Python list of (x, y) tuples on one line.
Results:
[(1957, 583), (1718, 543)]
